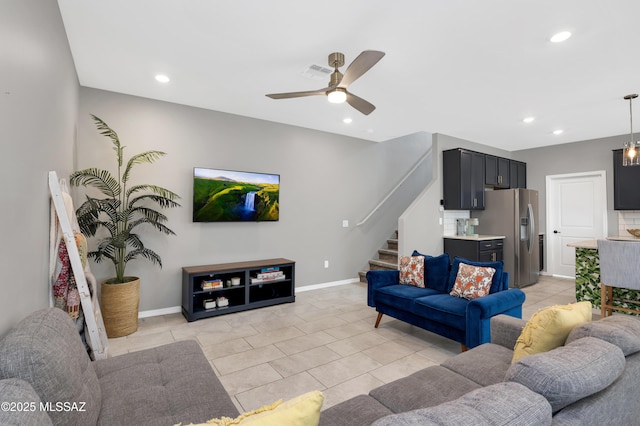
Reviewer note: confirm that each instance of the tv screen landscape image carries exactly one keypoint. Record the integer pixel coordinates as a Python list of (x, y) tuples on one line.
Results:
[(233, 196)]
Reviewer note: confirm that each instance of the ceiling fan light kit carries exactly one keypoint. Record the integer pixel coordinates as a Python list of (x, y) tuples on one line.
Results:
[(337, 95), (336, 91), (631, 153)]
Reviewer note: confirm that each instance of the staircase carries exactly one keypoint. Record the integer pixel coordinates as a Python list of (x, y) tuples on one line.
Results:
[(387, 258)]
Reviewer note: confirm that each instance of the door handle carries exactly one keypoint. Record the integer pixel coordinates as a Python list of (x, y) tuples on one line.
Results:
[(532, 228), (555, 231)]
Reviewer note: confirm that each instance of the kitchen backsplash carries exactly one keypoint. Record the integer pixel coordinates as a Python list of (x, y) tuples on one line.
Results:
[(449, 220), (627, 219)]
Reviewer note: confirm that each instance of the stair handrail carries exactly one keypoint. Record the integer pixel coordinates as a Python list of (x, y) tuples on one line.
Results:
[(395, 188)]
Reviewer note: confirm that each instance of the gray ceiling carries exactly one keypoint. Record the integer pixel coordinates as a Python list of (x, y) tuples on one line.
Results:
[(466, 68)]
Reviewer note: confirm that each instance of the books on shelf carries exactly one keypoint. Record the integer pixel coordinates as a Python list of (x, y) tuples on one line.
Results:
[(211, 284), (270, 275)]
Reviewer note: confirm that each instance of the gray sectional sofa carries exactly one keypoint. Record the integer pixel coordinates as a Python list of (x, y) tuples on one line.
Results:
[(591, 380), (46, 377)]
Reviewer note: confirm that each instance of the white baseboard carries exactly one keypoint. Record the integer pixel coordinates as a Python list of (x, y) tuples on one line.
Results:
[(563, 276), (326, 285), (158, 312), (178, 309)]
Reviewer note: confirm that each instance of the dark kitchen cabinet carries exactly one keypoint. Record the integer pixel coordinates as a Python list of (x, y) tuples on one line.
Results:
[(517, 174), (626, 184), (490, 250), (497, 171), (463, 179)]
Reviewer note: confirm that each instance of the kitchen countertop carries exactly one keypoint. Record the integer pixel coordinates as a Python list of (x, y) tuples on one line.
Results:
[(587, 244), (593, 244), (476, 238)]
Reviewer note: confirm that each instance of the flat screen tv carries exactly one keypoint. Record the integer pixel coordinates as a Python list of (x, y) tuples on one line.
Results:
[(233, 196)]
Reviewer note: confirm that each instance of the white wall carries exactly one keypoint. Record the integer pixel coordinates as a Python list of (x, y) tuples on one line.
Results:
[(324, 179), (38, 110)]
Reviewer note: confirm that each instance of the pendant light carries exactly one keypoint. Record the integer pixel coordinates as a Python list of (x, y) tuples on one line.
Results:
[(631, 153)]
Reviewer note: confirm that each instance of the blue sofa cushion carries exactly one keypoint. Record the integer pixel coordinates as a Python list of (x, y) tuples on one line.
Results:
[(444, 309), (401, 296), (436, 271), (497, 283)]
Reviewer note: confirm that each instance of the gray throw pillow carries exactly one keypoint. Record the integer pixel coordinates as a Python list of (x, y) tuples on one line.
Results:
[(569, 373), (620, 330), (505, 403)]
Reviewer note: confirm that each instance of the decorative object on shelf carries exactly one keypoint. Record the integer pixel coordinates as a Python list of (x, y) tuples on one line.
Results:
[(634, 232), (631, 153), (122, 209), (222, 302), (235, 281), (209, 303)]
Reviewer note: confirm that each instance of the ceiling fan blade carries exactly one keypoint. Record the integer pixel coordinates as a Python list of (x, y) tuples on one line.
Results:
[(359, 66), (360, 104), (299, 94)]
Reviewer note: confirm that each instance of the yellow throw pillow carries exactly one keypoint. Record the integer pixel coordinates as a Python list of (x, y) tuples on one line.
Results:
[(548, 328), (303, 410)]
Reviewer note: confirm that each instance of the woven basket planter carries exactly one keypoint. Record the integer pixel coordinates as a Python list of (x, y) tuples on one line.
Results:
[(119, 305)]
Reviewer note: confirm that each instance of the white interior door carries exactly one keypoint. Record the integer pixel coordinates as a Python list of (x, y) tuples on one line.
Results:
[(576, 211)]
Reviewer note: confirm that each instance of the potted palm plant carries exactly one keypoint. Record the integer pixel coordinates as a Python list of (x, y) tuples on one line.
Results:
[(120, 211)]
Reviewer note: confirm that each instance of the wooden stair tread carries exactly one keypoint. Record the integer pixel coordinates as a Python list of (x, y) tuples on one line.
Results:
[(384, 264)]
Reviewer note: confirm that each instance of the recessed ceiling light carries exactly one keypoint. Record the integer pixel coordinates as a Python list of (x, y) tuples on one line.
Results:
[(560, 37), (162, 78), (347, 121), (528, 119), (558, 132)]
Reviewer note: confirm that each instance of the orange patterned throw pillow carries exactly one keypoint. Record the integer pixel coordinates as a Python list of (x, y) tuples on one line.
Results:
[(412, 270), (472, 281)]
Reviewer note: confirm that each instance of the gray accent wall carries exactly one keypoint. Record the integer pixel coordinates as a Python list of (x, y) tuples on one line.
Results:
[(38, 111), (577, 157), (324, 179)]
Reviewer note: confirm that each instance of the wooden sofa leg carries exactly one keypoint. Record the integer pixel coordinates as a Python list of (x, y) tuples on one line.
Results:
[(378, 319), (464, 348)]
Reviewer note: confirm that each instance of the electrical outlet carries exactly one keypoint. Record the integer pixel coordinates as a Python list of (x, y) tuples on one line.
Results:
[(326, 263), (345, 223)]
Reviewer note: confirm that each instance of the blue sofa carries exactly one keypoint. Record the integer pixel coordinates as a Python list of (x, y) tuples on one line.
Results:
[(434, 309)]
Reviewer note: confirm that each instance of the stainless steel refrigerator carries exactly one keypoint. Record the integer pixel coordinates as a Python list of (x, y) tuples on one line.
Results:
[(514, 214)]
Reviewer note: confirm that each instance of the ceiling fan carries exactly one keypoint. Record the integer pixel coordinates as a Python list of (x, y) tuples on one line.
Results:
[(336, 91)]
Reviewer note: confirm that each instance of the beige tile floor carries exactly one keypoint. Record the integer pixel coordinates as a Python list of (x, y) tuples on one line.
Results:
[(324, 341)]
